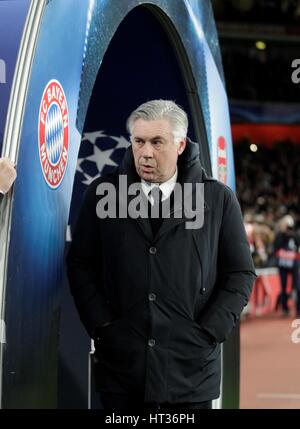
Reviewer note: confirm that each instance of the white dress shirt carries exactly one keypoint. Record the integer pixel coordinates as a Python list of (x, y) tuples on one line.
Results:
[(165, 187)]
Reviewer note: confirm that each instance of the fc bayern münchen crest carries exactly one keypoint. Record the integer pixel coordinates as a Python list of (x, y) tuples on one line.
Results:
[(53, 133)]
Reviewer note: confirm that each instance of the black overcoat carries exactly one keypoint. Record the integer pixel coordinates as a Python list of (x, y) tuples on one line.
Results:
[(161, 292)]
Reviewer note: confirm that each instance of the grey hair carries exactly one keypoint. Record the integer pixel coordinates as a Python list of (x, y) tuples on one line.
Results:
[(161, 109)]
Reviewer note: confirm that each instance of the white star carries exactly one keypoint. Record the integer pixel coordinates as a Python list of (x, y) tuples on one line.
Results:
[(93, 136), (78, 167), (89, 179), (122, 142), (102, 158)]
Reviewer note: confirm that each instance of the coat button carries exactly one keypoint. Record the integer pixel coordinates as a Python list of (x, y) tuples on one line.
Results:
[(151, 342), (152, 296), (202, 290), (153, 250)]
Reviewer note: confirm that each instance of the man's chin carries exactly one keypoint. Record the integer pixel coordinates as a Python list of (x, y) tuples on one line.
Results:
[(148, 176)]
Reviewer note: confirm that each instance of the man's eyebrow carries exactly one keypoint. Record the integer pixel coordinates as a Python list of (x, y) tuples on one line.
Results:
[(152, 138), (158, 138)]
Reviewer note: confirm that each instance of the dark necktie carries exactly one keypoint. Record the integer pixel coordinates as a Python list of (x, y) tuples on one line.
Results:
[(155, 210)]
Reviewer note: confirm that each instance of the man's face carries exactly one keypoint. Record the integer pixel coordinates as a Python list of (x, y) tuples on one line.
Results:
[(154, 151)]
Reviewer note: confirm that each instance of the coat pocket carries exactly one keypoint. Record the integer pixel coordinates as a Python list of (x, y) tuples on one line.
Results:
[(119, 359)]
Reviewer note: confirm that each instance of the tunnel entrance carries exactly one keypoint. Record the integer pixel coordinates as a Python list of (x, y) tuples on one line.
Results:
[(144, 61)]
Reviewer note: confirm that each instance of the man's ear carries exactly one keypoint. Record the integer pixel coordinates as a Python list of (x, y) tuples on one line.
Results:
[(181, 146)]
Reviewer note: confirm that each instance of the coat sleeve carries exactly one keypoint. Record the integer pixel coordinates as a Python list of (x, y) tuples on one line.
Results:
[(236, 273), (83, 267)]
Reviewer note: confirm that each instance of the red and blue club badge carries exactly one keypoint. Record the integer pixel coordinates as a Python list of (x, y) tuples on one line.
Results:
[(222, 159), (53, 133)]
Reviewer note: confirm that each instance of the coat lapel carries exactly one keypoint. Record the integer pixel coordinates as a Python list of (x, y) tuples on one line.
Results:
[(144, 223), (172, 222)]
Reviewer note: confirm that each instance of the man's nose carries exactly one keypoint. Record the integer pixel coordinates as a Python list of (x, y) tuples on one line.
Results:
[(147, 151)]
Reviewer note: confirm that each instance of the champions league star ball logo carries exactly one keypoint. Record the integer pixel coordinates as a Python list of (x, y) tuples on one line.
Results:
[(53, 133), (99, 154)]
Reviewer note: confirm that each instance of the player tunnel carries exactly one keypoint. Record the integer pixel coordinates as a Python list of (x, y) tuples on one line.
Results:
[(103, 60)]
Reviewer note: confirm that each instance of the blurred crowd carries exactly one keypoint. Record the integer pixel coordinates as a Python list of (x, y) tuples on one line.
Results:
[(263, 75), (259, 41), (282, 12), (256, 55), (268, 188)]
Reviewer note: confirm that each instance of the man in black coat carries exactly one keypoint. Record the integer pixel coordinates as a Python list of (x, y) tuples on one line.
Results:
[(157, 292), (7, 175)]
